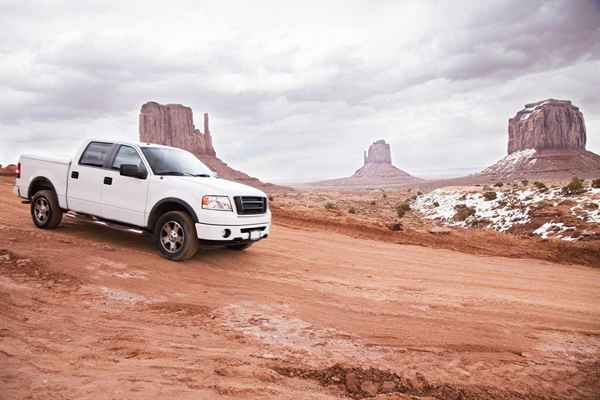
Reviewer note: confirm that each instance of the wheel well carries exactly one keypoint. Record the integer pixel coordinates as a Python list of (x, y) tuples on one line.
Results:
[(39, 183), (167, 205)]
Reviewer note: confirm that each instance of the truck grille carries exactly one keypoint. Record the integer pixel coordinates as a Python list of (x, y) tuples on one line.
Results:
[(250, 205)]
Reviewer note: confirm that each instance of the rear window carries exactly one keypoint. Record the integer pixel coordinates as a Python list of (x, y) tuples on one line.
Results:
[(96, 154)]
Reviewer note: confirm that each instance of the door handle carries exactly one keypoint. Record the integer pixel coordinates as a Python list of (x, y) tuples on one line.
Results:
[(107, 180), (75, 174)]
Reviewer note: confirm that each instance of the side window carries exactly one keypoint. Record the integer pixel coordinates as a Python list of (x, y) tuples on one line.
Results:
[(96, 154), (127, 155)]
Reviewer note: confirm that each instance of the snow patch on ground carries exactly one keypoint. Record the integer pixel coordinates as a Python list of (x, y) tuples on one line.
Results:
[(441, 205), (509, 163), (510, 207), (553, 228)]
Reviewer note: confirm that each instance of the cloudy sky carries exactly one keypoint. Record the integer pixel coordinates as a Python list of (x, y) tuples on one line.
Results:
[(296, 90)]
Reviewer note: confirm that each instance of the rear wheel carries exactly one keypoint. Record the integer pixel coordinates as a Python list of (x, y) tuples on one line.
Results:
[(175, 236), (239, 247), (45, 210)]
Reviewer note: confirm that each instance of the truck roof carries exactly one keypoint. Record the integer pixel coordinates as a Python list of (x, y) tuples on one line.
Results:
[(129, 143)]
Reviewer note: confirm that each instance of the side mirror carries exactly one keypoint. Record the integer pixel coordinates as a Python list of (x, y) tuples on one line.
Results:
[(133, 171)]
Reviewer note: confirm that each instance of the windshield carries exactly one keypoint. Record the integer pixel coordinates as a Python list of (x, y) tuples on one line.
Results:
[(165, 161)]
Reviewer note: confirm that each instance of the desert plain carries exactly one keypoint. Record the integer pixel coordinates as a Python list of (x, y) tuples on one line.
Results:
[(320, 310)]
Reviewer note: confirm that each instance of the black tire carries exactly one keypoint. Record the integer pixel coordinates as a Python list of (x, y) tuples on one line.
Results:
[(183, 244), (239, 247), (45, 210)]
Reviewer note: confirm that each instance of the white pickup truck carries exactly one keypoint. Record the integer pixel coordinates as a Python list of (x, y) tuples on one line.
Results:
[(165, 191)]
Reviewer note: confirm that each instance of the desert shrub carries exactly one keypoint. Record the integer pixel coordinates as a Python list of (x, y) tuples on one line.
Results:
[(384, 195), (498, 184), (419, 193), (395, 226), (352, 210), (373, 203), (489, 196), (402, 208), (330, 205), (271, 198), (525, 182), (573, 187), (436, 204), (486, 188), (596, 183), (463, 212), (463, 197), (540, 186)]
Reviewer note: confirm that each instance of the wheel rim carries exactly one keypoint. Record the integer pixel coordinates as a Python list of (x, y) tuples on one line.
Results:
[(172, 237), (41, 210)]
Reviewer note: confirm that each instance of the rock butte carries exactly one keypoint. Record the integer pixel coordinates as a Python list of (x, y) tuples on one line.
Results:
[(377, 171), (173, 125), (546, 139)]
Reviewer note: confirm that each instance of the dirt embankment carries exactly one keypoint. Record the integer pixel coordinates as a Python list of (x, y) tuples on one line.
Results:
[(472, 241), (91, 313)]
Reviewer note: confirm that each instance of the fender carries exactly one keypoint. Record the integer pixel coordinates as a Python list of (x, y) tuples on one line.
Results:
[(153, 216), (43, 181)]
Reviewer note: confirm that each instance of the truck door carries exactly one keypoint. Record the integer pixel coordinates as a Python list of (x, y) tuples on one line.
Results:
[(124, 197), (86, 178)]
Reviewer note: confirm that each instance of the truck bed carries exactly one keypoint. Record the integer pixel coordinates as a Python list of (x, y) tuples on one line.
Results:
[(51, 168)]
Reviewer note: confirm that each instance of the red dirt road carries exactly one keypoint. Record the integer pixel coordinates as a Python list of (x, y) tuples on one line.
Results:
[(91, 313)]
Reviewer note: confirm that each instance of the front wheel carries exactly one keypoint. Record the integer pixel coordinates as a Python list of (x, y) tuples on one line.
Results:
[(175, 236), (45, 210)]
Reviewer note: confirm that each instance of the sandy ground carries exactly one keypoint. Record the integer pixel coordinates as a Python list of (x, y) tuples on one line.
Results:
[(92, 313)]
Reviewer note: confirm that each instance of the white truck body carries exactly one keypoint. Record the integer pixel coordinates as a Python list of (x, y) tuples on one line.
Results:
[(103, 192)]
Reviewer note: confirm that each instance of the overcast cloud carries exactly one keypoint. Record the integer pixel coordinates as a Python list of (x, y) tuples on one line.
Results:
[(296, 90)]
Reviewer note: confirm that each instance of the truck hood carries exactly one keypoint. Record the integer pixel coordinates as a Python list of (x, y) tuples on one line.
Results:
[(218, 186)]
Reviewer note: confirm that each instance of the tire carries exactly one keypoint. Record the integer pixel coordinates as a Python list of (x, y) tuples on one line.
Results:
[(175, 236), (45, 210), (239, 247)]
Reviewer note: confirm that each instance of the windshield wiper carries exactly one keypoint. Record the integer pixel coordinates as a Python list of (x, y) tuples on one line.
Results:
[(174, 173), (179, 173)]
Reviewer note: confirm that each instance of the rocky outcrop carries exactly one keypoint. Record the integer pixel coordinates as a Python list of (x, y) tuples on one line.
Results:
[(173, 125), (379, 153), (546, 140), (377, 171), (548, 124), (9, 170)]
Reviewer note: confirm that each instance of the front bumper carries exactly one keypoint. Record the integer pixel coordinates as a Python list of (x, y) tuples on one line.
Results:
[(232, 233)]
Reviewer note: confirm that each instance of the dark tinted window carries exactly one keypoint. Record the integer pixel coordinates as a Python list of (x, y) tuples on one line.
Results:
[(127, 155), (96, 154), (169, 161)]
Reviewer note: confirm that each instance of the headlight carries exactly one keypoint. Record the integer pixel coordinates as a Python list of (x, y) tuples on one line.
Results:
[(220, 203)]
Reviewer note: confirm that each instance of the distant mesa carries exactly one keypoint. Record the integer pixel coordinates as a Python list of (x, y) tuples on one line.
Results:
[(173, 125), (377, 171), (546, 139)]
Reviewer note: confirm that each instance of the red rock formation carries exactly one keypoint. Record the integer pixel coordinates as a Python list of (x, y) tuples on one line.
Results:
[(377, 171), (9, 170), (546, 140), (173, 125), (379, 152), (547, 124)]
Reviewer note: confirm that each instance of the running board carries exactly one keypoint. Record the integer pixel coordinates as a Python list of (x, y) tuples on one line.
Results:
[(105, 222)]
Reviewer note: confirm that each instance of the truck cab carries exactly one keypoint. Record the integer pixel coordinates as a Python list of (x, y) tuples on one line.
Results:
[(164, 190)]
